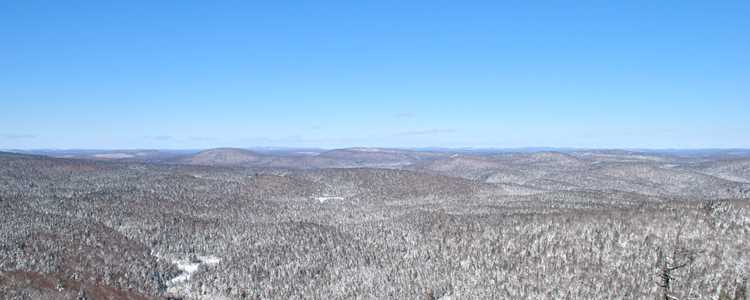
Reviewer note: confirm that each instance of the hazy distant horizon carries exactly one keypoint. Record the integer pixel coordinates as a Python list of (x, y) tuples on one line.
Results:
[(467, 148)]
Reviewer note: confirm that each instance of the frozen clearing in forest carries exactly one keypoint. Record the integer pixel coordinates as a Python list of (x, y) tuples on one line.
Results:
[(188, 267), (323, 199)]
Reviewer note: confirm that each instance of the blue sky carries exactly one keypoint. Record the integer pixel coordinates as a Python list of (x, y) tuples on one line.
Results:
[(199, 74)]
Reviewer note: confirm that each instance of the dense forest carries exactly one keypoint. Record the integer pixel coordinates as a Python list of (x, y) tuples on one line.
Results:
[(522, 226)]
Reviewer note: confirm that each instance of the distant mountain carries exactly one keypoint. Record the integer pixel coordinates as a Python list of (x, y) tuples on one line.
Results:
[(124, 155), (379, 156), (339, 158), (509, 167), (223, 156), (729, 169), (623, 171)]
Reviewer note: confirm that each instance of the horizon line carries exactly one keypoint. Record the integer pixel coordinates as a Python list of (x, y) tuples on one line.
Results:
[(540, 148)]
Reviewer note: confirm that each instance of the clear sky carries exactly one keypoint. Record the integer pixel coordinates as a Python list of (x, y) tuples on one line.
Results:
[(199, 74)]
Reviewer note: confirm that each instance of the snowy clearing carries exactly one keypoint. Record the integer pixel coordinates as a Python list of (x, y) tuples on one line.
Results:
[(323, 199), (188, 267)]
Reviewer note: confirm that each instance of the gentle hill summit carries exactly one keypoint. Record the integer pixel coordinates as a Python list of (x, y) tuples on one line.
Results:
[(378, 155), (223, 156)]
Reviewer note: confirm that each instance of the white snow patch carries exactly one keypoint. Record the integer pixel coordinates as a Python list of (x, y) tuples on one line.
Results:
[(189, 267), (210, 260), (323, 199)]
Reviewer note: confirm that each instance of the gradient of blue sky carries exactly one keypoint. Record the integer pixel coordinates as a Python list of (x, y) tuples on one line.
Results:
[(197, 74)]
